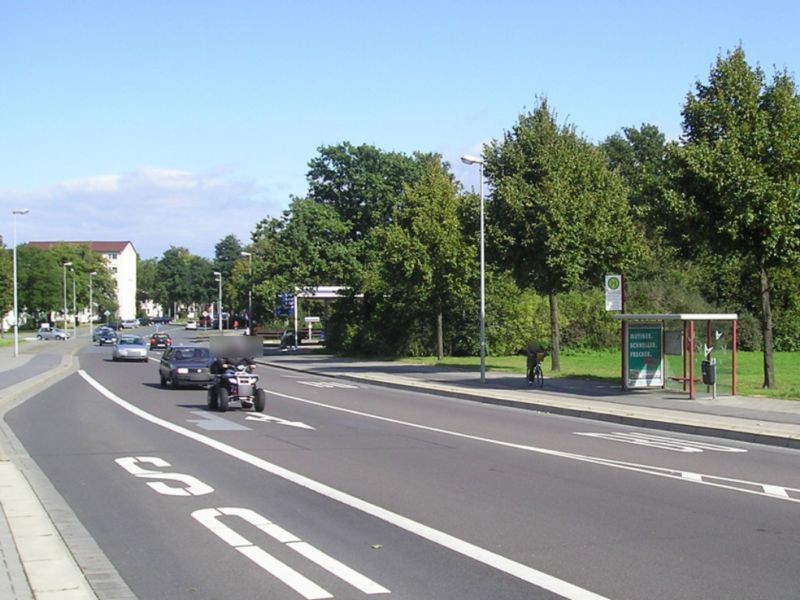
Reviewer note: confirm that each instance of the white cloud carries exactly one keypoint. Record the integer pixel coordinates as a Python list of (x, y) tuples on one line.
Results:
[(152, 207)]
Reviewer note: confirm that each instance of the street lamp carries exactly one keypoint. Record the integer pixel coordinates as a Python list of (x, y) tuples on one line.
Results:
[(18, 211), (91, 308), (249, 256), (74, 309), (65, 265), (474, 160), (218, 277)]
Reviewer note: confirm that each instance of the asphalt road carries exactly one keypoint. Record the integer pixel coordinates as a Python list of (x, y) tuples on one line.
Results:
[(350, 491)]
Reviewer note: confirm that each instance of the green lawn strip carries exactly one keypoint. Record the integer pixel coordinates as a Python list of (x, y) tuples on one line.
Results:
[(605, 366)]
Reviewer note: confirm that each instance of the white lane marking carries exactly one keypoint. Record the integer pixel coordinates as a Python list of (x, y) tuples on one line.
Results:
[(299, 583), (268, 419), (209, 518), (194, 487), (660, 441), (211, 422), (329, 384), (737, 485), (342, 571), (487, 557)]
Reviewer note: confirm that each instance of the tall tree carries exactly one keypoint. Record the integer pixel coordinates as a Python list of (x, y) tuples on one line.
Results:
[(737, 175), (226, 252), (426, 263), (557, 214), (6, 281), (363, 184)]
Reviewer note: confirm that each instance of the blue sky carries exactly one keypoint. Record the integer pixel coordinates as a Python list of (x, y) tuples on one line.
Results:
[(145, 121)]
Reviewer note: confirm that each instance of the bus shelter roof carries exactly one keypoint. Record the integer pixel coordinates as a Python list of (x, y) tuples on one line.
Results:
[(676, 317)]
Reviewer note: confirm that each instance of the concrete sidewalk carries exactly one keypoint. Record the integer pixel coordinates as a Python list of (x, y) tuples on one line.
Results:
[(760, 420)]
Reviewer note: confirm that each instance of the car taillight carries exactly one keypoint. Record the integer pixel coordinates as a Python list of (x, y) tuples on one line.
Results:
[(169, 342), (152, 340)]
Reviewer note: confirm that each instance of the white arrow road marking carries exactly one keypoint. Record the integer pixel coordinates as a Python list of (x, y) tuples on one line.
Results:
[(662, 442), (491, 559), (209, 517), (330, 384), (211, 422), (269, 419)]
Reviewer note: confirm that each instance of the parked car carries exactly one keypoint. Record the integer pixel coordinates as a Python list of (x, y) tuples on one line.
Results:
[(184, 366), (129, 324), (191, 325), (113, 325), (160, 340), (145, 321), (51, 333), (131, 347), (106, 335), (161, 320)]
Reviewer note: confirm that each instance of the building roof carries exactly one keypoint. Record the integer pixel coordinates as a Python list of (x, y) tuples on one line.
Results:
[(103, 247)]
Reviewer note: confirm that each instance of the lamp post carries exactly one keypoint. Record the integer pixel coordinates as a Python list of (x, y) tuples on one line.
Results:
[(74, 309), (65, 265), (249, 256), (474, 160), (218, 277), (18, 211), (91, 308)]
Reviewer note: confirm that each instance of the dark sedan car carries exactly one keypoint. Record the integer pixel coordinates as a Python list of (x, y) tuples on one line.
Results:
[(184, 366), (160, 340), (106, 335)]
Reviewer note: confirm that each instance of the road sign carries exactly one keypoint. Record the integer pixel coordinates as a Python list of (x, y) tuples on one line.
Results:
[(311, 319), (613, 292)]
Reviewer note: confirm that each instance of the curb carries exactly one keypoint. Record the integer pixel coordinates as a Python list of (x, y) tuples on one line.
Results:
[(742, 430)]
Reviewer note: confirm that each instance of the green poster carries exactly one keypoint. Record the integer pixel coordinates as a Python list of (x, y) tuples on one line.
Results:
[(645, 356)]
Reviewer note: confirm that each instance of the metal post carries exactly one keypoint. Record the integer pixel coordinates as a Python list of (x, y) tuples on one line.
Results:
[(19, 211), (65, 265), (91, 308), (483, 288), (74, 309)]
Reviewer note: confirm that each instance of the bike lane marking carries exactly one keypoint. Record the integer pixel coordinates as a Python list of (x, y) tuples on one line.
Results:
[(496, 561)]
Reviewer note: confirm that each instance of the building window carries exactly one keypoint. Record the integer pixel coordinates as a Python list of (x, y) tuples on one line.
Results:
[(112, 256), (113, 270)]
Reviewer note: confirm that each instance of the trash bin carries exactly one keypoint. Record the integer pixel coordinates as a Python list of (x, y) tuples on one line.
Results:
[(709, 371)]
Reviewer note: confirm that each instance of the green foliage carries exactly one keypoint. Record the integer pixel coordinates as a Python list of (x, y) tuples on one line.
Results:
[(6, 280), (363, 184), (227, 252), (41, 280), (184, 278), (737, 176)]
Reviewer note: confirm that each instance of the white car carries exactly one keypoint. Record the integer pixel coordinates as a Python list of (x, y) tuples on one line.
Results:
[(131, 347), (129, 324), (47, 333), (191, 325)]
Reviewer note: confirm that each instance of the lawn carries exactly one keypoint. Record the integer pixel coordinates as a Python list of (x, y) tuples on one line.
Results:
[(605, 365)]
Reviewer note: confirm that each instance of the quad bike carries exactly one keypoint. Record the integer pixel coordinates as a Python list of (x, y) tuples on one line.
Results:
[(236, 385)]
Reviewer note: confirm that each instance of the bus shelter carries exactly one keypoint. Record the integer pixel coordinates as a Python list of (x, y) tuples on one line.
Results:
[(667, 351)]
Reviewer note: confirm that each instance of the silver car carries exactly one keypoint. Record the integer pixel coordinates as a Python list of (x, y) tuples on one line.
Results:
[(47, 333), (131, 347)]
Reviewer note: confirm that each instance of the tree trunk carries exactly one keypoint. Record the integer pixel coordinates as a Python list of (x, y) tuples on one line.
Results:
[(555, 334), (766, 330), (439, 335)]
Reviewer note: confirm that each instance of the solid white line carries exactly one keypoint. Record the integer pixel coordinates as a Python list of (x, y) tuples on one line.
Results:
[(343, 572), (496, 561)]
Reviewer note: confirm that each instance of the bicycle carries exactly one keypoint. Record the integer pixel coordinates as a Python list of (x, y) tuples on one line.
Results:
[(535, 375)]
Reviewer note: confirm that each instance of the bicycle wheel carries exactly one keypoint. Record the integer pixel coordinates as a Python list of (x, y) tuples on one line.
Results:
[(529, 376), (538, 376)]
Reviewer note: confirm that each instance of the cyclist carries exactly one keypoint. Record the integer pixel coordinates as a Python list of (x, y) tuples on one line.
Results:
[(535, 355)]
